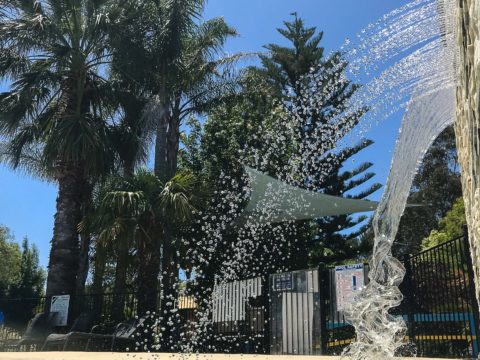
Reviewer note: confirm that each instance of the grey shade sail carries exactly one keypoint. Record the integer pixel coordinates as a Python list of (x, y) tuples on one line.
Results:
[(273, 201)]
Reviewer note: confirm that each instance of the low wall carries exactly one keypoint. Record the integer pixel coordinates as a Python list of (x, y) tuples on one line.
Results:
[(141, 356)]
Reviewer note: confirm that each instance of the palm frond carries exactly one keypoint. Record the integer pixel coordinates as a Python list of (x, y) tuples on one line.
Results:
[(175, 198), (127, 203), (29, 161)]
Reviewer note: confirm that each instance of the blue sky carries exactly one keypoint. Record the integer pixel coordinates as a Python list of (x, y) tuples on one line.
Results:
[(27, 205)]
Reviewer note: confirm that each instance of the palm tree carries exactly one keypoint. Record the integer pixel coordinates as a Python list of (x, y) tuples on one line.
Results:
[(165, 46), (57, 106), (147, 206)]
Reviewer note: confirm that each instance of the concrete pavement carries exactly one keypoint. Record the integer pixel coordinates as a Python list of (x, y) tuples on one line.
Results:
[(155, 356)]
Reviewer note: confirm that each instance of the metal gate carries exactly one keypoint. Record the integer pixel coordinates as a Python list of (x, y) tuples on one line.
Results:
[(295, 324), (239, 312)]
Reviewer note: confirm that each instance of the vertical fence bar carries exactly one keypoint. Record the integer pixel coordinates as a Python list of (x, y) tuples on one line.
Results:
[(471, 289), (416, 264), (262, 325), (464, 297), (408, 299), (323, 274)]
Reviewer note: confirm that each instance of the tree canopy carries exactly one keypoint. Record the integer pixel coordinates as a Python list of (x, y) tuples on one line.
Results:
[(20, 273), (436, 187), (10, 264), (450, 227)]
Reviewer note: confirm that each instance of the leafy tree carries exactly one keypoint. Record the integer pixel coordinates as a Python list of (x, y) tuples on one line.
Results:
[(284, 67), (21, 277), (132, 137), (294, 72), (172, 52), (32, 277), (316, 95), (436, 187), (449, 227), (212, 150), (10, 264)]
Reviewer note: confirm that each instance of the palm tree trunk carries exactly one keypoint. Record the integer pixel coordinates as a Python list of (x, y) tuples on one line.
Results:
[(121, 275), (82, 273), (123, 246), (85, 240), (164, 170), (98, 274), (170, 317), (166, 157), (173, 142), (161, 169), (148, 270), (170, 262), (64, 253)]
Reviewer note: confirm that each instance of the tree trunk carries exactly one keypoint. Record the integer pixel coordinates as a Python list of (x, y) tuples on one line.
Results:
[(170, 318), (121, 275), (173, 141), (85, 240), (148, 269), (123, 246), (98, 274), (64, 253), (82, 275), (161, 140), (170, 262)]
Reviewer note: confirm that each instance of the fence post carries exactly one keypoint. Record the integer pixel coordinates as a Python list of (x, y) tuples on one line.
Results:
[(471, 290), (266, 314), (323, 274), (408, 296)]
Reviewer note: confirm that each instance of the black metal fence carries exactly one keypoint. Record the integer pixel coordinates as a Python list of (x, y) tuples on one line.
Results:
[(107, 309), (439, 308), (297, 312), (17, 312), (440, 305)]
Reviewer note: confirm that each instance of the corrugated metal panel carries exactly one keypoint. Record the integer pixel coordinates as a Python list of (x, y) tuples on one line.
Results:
[(229, 299)]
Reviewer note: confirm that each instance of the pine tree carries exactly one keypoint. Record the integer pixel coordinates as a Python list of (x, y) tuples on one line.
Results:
[(289, 70), (285, 67), (343, 237), (241, 124)]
